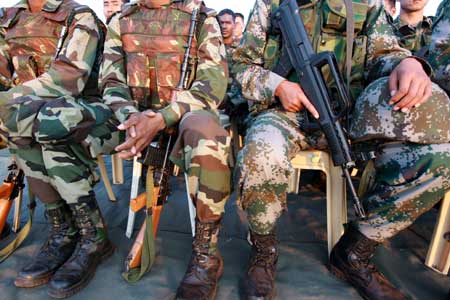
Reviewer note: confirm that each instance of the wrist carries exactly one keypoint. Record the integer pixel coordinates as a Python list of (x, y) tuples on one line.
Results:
[(278, 89)]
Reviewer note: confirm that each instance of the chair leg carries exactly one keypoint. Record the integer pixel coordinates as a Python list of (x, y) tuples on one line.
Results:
[(105, 178), (438, 257), (192, 211), (117, 169), (336, 205), (137, 173)]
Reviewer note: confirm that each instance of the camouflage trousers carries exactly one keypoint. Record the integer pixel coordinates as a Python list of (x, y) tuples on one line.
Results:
[(56, 141), (202, 150), (410, 177)]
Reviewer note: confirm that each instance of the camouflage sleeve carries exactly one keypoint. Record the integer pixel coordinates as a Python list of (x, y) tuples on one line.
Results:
[(210, 84), (440, 46), (113, 76), (383, 50), (70, 71), (258, 84), (5, 63)]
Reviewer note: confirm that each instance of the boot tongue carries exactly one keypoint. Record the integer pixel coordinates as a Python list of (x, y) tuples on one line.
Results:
[(155, 3)]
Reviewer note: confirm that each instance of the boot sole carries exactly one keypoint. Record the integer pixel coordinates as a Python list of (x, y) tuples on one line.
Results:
[(21, 282), (83, 283), (340, 275)]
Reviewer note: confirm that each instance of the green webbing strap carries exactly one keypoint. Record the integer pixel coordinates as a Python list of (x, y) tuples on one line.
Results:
[(23, 233), (148, 245), (350, 31)]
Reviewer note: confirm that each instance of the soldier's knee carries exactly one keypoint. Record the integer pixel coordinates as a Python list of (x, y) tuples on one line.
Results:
[(67, 120)]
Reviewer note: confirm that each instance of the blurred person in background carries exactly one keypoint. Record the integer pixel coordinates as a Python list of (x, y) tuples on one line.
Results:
[(239, 26)]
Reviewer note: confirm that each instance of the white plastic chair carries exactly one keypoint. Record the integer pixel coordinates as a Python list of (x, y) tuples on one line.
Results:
[(335, 193)]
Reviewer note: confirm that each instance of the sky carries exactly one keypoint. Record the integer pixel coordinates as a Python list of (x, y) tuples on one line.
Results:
[(242, 6)]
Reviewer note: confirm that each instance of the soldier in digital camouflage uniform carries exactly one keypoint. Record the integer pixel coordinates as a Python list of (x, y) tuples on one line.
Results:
[(143, 54), (50, 116), (439, 50), (439, 53), (414, 35), (412, 163)]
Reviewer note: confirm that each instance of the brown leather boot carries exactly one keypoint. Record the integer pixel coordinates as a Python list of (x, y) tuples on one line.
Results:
[(350, 260), (59, 246), (92, 248), (206, 265), (259, 282)]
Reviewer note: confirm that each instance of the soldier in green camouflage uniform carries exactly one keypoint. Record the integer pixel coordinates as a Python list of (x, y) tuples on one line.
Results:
[(439, 53), (412, 164), (50, 117), (234, 104), (414, 37), (143, 54)]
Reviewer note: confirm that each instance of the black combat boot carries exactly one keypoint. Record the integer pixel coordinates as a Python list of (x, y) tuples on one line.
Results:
[(350, 260), (259, 282), (93, 247), (206, 265), (58, 248)]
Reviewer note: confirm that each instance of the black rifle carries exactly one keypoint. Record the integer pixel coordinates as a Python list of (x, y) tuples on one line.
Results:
[(308, 65)]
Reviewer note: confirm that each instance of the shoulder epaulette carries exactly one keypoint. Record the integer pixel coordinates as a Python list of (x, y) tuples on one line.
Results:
[(8, 17), (209, 12), (128, 9)]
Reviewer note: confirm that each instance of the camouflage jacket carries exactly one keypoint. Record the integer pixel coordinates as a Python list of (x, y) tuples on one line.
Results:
[(205, 91), (376, 50), (414, 38), (234, 93), (28, 44), (439, 55)]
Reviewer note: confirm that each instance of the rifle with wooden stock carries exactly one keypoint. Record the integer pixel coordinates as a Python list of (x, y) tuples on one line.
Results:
[(153, 199), (10, 190)]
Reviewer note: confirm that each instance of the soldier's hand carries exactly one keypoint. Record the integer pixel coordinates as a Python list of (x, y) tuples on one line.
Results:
[(293, 98), (410, 86), (147, 124)]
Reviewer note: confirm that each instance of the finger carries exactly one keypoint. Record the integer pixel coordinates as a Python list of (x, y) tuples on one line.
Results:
[(402, 91), (419, 96), (411, 96), (126, 146), (132, 121), (125, 155), (132, 131), (427, 94), (393, 85), (308, 105)]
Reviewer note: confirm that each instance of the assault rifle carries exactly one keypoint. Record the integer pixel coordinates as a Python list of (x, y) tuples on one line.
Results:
[(10, 190), (152, 201), (309, 67)]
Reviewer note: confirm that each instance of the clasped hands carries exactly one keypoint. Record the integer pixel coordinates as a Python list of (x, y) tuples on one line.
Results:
[(141, 128), (409, 86)]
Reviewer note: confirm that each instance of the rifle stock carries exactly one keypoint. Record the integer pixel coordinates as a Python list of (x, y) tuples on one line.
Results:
[(10, 190), (5, 203), (157, 159)]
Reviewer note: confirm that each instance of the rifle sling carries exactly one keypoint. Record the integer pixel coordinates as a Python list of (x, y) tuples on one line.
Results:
[(148, 246), (23, 233), (350, 30)]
